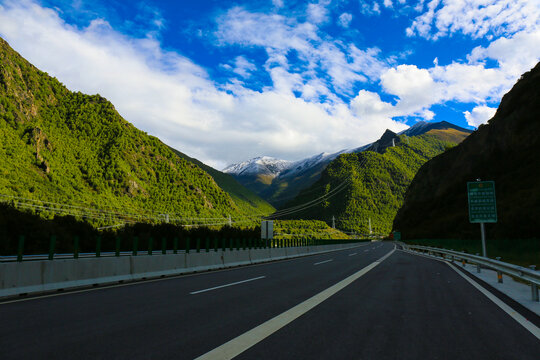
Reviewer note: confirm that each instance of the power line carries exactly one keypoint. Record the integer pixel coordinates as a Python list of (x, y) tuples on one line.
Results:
[(317, 201)]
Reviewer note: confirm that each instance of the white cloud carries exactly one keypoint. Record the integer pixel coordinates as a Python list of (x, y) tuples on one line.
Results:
[(344, 20), (278, 35), (368, 104), (419, 89), (479, 115), (415, 87), (172, 98), (388, 3), (277, 3), (476, 18), (243, 66), (317, 13), (369, 8), (515, 54)]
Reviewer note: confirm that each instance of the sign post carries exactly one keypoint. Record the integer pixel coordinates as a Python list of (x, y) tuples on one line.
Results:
[(267, 230), (482, 206)]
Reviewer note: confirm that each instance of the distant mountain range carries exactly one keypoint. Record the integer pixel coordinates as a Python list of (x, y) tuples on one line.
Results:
[(279, 181), (74, 149), (506, 150)]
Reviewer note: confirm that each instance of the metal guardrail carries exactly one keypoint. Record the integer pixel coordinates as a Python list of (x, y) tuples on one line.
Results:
[(530, 276)]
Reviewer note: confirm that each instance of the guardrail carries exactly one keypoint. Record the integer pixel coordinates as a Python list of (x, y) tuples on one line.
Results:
[(530, 276)]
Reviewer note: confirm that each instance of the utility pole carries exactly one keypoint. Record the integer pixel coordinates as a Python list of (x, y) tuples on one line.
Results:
[(370, 226), (393, 143), (167, 218), (333, 221), (230, 221)]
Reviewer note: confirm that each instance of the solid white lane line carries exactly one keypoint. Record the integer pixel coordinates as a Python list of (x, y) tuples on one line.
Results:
[(243, 342), (507, 309), (366, 250), (352, 254), (222, 286), (322, 262)]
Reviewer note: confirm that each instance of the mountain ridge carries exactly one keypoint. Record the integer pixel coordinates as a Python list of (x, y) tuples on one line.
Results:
[(279, 187)]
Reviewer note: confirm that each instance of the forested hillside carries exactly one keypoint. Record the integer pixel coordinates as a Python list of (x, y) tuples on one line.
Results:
[(506, 151), (71, 148), (357, 187)]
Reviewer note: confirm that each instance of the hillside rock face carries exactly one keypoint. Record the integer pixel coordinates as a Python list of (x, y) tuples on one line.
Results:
[(506, 150)]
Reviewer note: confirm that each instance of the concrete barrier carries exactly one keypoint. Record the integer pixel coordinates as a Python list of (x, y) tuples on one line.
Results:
[(259, 255), (29, 277), (236, 258), (278, 253), (204, 261), (157, 265)]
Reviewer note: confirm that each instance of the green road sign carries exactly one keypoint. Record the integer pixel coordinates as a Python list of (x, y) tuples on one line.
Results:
[(482, 205)]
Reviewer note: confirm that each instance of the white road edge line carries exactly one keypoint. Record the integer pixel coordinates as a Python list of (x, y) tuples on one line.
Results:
[(222, 286), (243, 342), (322, 262), (507, 309), (352, 254)]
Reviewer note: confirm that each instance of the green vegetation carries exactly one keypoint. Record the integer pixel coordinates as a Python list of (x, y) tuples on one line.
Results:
[(38, 231), (306, 229), (68, 231), (374, 185), (70, 148), (522, 252)]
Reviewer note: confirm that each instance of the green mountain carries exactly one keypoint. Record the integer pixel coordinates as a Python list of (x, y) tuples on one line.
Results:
[(369, 186), (506, 150), (70, 148)]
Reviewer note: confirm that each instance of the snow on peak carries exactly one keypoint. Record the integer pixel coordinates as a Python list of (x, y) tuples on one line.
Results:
[(260, 165)]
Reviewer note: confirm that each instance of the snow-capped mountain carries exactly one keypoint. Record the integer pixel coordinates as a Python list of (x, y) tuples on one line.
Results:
[(278, 181), (300, 166), (265, 165)]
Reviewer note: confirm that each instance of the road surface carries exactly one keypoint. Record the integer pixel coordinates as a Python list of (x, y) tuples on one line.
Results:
[(341, 305)]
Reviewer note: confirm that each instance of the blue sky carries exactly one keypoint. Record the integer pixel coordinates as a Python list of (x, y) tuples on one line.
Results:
[(225, 81)]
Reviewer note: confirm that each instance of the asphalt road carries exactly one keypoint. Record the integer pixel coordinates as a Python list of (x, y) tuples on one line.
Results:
[(406, 307)]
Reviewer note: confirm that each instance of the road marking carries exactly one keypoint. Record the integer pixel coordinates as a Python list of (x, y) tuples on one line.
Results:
[(243, 342), (514, 314), (352, 254), (366, 250), (322, 262), (226, 285)]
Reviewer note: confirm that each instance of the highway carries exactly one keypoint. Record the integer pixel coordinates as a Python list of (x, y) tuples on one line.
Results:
[(370, 302)]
